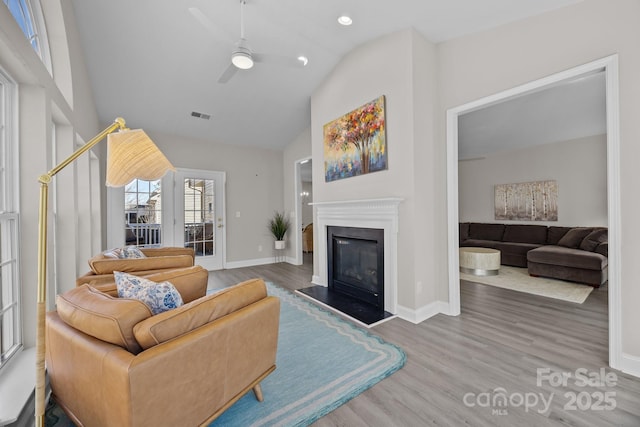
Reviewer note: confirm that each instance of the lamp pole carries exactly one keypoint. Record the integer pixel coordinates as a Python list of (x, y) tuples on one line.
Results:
[(44, 180)]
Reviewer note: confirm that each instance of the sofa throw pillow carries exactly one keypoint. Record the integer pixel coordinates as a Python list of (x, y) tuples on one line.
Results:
[(130, 252), (593, 239), (574, 237), (159, 297)]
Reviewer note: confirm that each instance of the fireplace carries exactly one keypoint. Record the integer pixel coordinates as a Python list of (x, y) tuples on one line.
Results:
[(356, 263), (371, 214)]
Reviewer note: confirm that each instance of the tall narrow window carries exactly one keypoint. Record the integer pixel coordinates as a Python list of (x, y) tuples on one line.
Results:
[(143, 213), (10, 319)]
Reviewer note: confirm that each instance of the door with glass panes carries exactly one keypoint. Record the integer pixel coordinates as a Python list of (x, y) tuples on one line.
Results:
[(199, 215)]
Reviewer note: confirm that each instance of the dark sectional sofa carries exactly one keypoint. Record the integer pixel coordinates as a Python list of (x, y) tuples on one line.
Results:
[(577, 254)]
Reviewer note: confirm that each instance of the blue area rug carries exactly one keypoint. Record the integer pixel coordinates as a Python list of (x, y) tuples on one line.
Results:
[(322, 362)]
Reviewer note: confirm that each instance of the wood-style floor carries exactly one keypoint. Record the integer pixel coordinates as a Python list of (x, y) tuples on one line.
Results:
[(458, 367)]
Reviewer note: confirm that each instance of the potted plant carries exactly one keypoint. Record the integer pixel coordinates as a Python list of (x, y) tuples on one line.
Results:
[(278, 225)]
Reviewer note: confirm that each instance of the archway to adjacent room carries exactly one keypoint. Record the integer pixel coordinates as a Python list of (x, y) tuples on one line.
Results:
[(609, 66)]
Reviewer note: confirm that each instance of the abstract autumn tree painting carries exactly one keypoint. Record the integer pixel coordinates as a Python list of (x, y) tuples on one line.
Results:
[(355, 144)]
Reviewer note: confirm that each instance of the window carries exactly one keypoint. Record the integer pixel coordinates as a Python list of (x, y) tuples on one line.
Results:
[(143, 213), (10, 327), (29, 17)]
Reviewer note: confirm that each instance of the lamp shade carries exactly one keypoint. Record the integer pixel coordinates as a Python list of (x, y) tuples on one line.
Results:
[(131, 154)]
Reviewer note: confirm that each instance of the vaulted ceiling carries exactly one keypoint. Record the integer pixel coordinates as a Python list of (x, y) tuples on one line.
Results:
[(155, 62)]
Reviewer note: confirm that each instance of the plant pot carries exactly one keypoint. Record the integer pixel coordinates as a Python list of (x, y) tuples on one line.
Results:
[(280, 244)]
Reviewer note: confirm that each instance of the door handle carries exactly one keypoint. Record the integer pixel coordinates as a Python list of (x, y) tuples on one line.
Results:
[(220, 225)]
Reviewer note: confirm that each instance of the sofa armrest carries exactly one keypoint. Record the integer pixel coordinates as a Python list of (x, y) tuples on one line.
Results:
[(191, 282), (603, 249), (101, 264)]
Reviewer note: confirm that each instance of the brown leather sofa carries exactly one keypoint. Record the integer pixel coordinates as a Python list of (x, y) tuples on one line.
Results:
[(111, 363), (157, 260)]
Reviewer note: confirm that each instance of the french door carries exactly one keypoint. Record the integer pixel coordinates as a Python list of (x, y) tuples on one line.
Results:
[(199, 218)]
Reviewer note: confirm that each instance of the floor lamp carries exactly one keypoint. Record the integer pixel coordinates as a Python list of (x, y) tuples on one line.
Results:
[(130, 154)]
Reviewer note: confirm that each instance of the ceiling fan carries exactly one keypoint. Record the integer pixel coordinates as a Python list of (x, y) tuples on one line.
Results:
[(242, 57)]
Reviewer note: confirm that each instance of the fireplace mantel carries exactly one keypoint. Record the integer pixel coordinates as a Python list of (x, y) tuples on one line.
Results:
[(368, 213)]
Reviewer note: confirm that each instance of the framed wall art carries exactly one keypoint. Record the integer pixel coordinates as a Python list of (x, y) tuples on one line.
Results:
[(527, 201), (356, 144)]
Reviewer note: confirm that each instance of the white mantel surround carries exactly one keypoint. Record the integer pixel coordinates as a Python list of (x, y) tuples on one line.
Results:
[(371, 213)]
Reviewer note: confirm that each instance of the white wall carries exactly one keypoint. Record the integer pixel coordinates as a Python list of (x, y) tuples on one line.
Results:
[(578, 166), (42, 103), (479, 65), (254, 188), (401, 67)]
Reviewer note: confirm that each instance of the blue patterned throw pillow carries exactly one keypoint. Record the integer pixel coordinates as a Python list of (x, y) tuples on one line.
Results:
[(129, 252), (159, 297)]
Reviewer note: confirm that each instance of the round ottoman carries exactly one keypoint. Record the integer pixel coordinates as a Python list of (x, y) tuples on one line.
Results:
[(479, 261)]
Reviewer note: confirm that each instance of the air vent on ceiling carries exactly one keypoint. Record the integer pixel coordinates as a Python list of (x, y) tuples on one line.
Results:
[(201, 115)]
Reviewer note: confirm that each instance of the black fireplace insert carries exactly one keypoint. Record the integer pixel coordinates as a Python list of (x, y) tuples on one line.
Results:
[(356, 263)]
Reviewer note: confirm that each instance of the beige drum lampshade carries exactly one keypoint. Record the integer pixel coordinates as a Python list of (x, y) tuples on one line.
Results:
[(131, 154)]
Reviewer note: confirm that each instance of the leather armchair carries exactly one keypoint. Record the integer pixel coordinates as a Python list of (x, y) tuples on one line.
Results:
[(157, 260), (111, 363)]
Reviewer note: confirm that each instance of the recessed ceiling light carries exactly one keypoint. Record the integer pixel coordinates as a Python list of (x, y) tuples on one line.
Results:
[(345, 20), (304, 60)]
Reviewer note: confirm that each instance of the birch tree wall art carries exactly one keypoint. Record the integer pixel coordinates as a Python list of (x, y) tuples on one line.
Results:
[(527, 201), (355, 144)]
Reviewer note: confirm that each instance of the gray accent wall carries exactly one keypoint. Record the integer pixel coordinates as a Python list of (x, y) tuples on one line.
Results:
[(578, 166)]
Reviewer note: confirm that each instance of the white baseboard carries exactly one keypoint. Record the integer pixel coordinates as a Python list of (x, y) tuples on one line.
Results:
[(630, 364), (423, 313), (316, 281), (249, 262)]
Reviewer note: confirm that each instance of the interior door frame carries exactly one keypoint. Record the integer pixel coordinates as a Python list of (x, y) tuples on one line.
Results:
[(297, 229), (174, 200), (609, 65)]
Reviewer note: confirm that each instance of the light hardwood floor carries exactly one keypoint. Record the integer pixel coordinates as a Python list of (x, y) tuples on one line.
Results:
[(499, 341)]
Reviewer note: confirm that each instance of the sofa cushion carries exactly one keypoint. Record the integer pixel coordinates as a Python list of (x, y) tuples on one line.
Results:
[(165, 326), (593, 239), (480, 231), (516, 233), (554, 234), (159, 297), (102, 316), (574, 237), (567, 257)]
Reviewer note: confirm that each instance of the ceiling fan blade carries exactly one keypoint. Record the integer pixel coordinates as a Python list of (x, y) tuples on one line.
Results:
[(228, 73), (282, 60), (216, 31)]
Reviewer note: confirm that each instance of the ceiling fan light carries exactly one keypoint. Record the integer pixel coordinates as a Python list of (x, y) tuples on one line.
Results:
[(345, 20), (242, 60)]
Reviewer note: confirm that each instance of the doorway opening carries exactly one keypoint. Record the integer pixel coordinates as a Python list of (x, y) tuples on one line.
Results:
[(303, 188), (609, 66)]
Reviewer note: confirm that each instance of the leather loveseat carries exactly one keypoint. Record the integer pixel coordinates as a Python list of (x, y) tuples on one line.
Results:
[(156, 260), (578, 254), (111, 363)]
